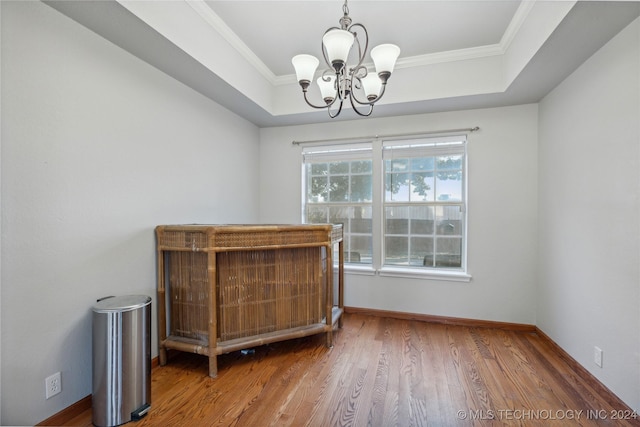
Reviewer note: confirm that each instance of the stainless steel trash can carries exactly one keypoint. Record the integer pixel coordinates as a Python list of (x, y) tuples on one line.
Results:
[(121, 359)]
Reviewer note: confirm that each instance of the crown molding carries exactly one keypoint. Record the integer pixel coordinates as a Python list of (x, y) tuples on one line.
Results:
[(206, 13), (516, 23), (423, 60), (450, 56)]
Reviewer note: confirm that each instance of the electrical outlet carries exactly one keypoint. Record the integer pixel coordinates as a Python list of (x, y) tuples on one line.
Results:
[(53, 385), (597, 356)]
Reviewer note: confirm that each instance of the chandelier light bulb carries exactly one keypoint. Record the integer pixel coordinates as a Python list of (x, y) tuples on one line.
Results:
[(371, 85), (384, 57), (327, 88), (305, 66), (338, 44)]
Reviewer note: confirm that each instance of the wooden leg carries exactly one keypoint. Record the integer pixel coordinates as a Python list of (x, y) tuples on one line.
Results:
[(341, 280), (162, 355), (329, 307), (213, 323), (213, 366)]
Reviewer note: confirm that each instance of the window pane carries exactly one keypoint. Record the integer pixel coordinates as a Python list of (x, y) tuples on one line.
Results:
[(317, 215), (422, 220), (357, 237), (448, 252), (421, 251), (361, 189), (338, 188), (396, 220), (397, 187), (361, 166), (428, 260), (358, 249), (356, 219), (396, 250), (318, 189), (450, 162), (361, 222), (422, 164), (449, 186), (340, 215), (422, 186), (339, 167), (449, 178), (449, 220), (319, 168), (397, 165)]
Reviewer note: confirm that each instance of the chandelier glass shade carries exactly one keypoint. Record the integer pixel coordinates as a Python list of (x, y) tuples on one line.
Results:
[(341, 82)]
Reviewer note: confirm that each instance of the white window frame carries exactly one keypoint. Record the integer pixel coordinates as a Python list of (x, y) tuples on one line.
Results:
[(342, 153), (437, 144)]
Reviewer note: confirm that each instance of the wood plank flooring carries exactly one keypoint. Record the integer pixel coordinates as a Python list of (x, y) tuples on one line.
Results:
[(382, 372)]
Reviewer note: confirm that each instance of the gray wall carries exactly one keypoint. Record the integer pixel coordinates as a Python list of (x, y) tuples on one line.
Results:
[(97, 148), (589, 191), (502, 207)]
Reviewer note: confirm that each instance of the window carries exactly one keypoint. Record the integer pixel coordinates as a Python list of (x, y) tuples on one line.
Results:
[(402, 202), (339, 190), (424, 203)]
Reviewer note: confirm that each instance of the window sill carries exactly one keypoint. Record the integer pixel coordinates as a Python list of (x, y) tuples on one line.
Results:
[(418, 273), (362, 270), (410, 273)]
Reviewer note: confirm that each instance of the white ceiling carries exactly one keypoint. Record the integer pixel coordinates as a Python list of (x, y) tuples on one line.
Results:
[(277, 30), (455, 54)]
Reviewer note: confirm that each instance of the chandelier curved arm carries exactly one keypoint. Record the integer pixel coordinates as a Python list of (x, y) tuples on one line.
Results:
[(357, 83), (304, 84), (355, 108), (384, 87), (361, 52), (339, 84), (358, 78), (304, 92), (337, 112), (368, 102)]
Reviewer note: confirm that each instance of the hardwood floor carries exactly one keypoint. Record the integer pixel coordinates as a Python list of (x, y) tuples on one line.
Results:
[(382, 372)]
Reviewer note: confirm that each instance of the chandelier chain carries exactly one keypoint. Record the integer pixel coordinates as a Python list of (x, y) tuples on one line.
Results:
[(345, 21)]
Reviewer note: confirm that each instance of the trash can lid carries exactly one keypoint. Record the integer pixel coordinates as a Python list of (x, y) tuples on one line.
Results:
[(121, 303)]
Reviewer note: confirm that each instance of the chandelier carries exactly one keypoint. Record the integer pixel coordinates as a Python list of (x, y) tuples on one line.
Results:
[(340, 82)]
